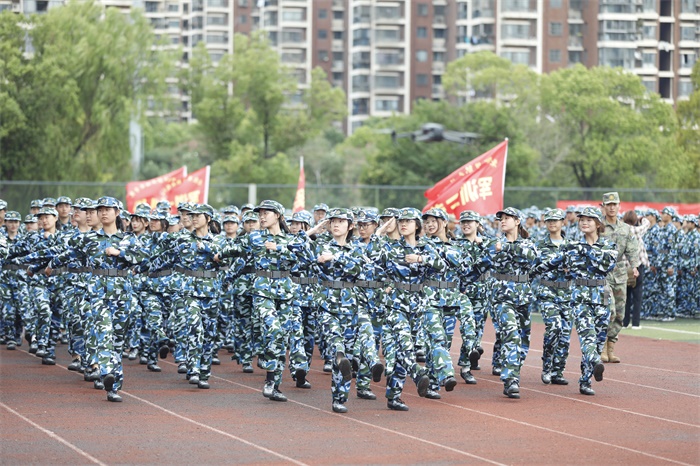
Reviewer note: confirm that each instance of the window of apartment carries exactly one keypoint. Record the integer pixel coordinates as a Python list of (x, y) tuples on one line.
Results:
[(555, 29), (172, 7), (360, 37), (340, 14), (293, 14), (649, 60), (614, 57), (337, 35), (685, 88), (517, 58), (389, 57), (386, 105), (322, 13), (688, 60), (338, 56), (293, 35), (388, 12), (360, 106), (293, 57), (575, 57), (360, 60), (422, 55), (175, 40), (688, 32), (555, 3), (387, 35), (515, 31), (422, 9), (217, 38), (650, 85), (422, 80), (554, 56), (174, 24), (649, 32), (216, 56), (439, 57), (387, 81), (323, 33), (323, 55), (338, 78), (152, 7), (243, 19), (243, 3), (421, 32), (439, 33)]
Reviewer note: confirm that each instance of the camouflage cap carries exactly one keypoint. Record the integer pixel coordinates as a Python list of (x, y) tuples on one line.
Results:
[(554, 214), (35, 203), (303, 216), (435, 212), (142, 211), (390, 212), (64, 200), (29, 218), (3, 205), (88, 204), (341, 213), (271, 205), (164, 206), (367, 216), (410, 213), (158, 215), (230, 219), (571, 209), (250, 216), (173, 220), (511, 211), (694, 219), (80, 202), (321, 207), (125, 215), (668, 210), (13, 215), (230, 210), (611, 198), (247, 207), (48, 211), (205, 209), (48, 202), (591, 212), (108, 201), (469, 216)]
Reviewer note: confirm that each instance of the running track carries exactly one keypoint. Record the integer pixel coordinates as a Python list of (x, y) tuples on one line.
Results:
[(646, 411)]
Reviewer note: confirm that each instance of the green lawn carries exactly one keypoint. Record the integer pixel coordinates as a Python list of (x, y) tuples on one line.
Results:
[(687, 330)]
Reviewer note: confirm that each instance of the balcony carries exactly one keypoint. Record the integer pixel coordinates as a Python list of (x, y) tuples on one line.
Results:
[(519, 7), (575, 42)]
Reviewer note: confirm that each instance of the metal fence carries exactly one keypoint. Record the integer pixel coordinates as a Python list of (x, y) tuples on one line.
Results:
[(19, 194)]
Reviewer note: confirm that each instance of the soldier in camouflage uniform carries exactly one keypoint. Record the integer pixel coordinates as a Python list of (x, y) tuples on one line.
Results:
[(12, 285), (663, 260), (553, 300), (650, 293), (511, 259), (587, 263), (406, 263), (688, 266)]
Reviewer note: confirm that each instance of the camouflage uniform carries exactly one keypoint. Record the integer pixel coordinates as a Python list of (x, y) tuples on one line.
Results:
[(12, 289), (650, 293), (663, 255), (688, 291)]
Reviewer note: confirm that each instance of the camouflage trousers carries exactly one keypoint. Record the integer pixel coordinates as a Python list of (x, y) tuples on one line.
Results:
[(366, 349), (48, 317), (178, 326), (247, 339), (201, 333), (224, 334), (340, 335), (617, 310), (293, 327), (154, 308), (687, 293), (514, 327), (659, 300), (136, 334), (109, 318), (399, 350), (274, 314), (12, 296), (74, 323), (557, 336), (591, 321), (438, 361), (468, 332)]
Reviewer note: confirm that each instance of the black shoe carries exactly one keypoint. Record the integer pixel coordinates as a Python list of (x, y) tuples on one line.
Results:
[(215, 361), (194, 379), (377, 371), (74, 365), (420, 356), (558, 380), (306, 385), (480, 350), (474, 357), (33, 347), (328, 366), (11, 345), (339, 407), (203, 384), (143, 360), (496, 371), (182, 368), (345, 368), (586, 390), (432, 395), (512, 390), (423, 384), (397, 405), (41, 352), (133, 354), (114, 397), (450, 383), (108, 380), (277, 395), (468, 377), (598, 370), (64, 339), (366, 395), (154, 368), (268, 388), (98, 385), (163, 352), (248, 368), (300, 376), (90, 375), (546, 378), (48, 361)]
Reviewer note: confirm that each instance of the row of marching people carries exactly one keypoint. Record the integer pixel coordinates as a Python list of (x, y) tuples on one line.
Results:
[(394, 284)]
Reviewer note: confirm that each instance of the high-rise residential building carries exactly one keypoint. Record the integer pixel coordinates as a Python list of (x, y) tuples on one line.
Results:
[(387, 54)]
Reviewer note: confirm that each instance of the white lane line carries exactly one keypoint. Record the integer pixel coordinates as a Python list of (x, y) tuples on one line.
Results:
[(214, 429), (65, 442), (385, 429), (685, 332), (626, 411)]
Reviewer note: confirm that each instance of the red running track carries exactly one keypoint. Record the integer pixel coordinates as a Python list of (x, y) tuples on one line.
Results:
[(646, 411)]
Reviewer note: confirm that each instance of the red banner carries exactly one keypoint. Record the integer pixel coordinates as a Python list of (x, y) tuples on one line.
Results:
[(153, 190), (300, 197), (194, 188), (681, 209), (477, 185)]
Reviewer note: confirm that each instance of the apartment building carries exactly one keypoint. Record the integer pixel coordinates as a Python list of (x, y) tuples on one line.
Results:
[(387, 54)]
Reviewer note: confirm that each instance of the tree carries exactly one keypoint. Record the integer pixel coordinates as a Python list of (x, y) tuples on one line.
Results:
[(688, 113)]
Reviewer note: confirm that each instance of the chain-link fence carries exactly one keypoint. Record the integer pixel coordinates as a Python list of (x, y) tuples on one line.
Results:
[(19, 194)]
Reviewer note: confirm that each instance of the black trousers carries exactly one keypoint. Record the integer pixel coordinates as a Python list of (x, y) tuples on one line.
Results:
[(633, 307)]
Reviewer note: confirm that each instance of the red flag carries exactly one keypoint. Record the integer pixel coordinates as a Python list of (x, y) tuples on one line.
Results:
[(300, 198), (153, 190), (194, 188), (477, 185)]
